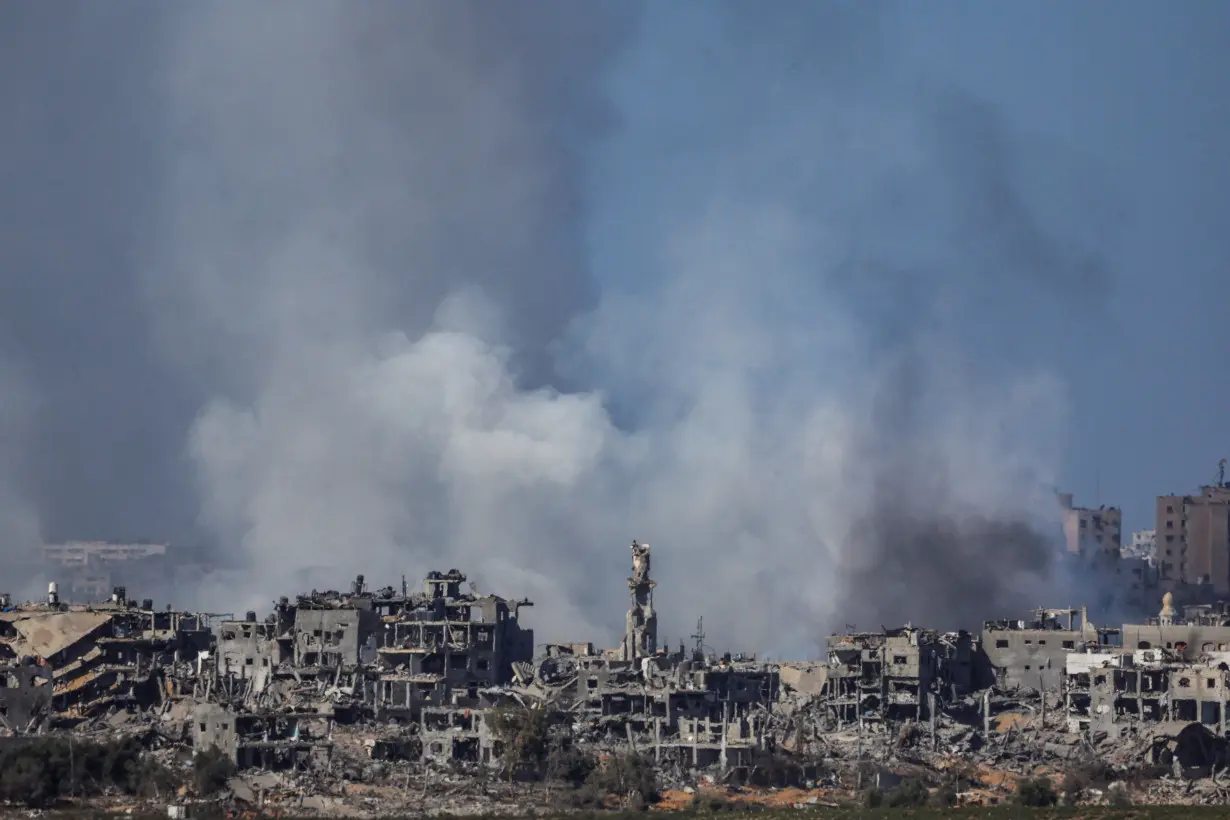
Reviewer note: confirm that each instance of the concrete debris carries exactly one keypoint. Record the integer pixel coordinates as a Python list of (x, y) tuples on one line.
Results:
[(352, 702)]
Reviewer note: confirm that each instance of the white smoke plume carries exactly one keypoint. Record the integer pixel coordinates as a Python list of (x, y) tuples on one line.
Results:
[(366, 253)]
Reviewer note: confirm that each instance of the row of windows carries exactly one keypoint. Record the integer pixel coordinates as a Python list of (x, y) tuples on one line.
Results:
[(1002, 643)]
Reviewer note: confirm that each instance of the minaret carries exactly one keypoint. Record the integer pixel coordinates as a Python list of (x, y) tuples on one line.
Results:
[(641, 636), (1166, 616)]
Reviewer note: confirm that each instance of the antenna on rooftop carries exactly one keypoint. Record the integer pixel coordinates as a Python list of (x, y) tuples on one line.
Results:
[(699, 637), (1221, 473)]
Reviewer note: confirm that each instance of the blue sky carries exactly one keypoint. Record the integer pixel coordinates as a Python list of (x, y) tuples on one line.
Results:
[(1132, 95), (867, 275)]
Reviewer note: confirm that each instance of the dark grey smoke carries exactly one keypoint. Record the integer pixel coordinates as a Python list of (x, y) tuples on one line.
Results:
[(154, 157), (946, 572), (78, 153), (919, 551), (886, 225), (325, 248)]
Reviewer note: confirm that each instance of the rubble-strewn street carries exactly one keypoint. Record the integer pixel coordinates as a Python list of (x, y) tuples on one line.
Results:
[(368, 701)]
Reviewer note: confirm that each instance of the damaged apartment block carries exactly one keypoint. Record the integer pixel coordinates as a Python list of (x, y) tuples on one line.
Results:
[(443, 677), (119, 654), (421, 660), (444, 643), (1032, 654), (685, 708), (266, 739), (895, 675), (1170, 669)]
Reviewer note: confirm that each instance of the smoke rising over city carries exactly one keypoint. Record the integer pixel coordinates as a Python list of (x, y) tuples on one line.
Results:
[(324, 289)]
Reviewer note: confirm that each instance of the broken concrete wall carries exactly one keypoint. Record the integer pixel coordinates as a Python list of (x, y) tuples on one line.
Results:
[(25, 694), (803, 679), (251, 650), (333, 637), (213, 727), (1029, 658), (460, 735), (1188, 641), (1198, 695)]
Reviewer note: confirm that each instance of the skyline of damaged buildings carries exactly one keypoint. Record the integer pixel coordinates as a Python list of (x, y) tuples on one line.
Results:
[(1187, 553), (429, 675)]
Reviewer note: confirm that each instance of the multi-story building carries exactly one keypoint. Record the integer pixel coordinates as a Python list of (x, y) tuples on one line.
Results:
[(1091, 531), (118, 654), (1193, 538), (396, 653), (886, 674), (1032, 653), (82, 553), (1143, 546), (91, 567), (445, 644)]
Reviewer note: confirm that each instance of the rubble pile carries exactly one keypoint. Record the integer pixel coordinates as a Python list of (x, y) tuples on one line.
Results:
[(370, 701)]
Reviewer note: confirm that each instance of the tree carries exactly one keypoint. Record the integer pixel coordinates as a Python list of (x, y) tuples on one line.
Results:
[(211, 769), (525, 735), (1036, 792)]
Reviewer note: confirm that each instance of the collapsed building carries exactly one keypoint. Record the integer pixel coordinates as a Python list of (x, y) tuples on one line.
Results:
[(897, 674), (685, 708), (1172, 669), (438, 664), (431, 675), (394, 657), (1032, 653), (66, 663)]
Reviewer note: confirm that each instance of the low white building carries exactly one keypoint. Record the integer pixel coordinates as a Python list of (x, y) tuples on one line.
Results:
[(1143, 545)]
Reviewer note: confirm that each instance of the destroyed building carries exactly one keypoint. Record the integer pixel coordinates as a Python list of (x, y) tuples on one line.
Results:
[(684, 707), (873, 676), (418, 660), (320, 632), (1173, 668), (116, 654), (25, 697), (443, 644), (1201, 629), (1033, 653), (266, 740), (436, 676)]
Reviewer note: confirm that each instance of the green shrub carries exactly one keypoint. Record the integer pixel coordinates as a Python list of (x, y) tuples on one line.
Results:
[(567, 763), (1072, 787), (873, 798), (910, 794), (211, 769), (36, 772), (1036, 792), (944, 797), (586, 797), (526, 736), (625, 774), (776, 769), (717, 803)]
